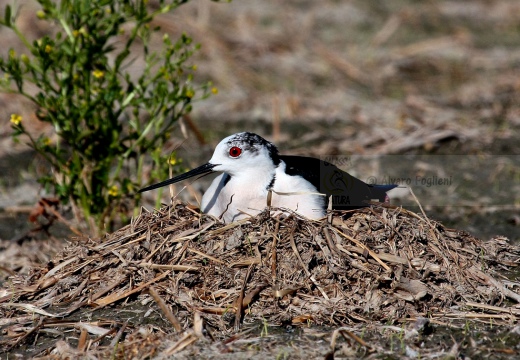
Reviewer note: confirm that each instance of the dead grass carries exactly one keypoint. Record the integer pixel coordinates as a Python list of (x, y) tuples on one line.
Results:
[(378, 265), (397, 76)]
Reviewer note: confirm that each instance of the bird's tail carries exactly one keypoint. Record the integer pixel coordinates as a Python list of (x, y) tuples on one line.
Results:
[(379, 192)]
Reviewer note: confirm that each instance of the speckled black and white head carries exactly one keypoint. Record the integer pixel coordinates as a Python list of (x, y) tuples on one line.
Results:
[(244, 152), (244, 155)]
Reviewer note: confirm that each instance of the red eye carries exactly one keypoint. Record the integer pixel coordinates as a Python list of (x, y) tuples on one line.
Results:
[(235, 151)]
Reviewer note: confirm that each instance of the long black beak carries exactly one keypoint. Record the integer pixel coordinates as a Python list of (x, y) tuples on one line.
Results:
[(204, 169)]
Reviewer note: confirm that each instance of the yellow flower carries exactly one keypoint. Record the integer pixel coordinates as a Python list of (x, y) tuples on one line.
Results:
[(40, 14), (113, 191), (48, 48), (16, 119), (75, 33), (194, 67), (190, 93), (214, 90), (98, 74), (172, 161), (46, 141)]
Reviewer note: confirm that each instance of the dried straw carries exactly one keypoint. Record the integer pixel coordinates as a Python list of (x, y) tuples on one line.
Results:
[(369, 266)]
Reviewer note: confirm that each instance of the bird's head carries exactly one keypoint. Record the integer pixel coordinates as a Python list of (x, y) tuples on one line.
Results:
[(244, 153), (238, 154)]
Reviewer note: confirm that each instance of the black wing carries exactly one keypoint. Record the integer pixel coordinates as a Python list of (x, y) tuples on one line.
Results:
[(347, 191)]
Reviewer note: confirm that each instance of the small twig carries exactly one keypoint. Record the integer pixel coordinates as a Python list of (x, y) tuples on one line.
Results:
[(491, 281), (295, 249), (9, 271), (24, 336), (360, 341), (187, 339), (62, 219), (82, 341), (198, 324), (179, 239), (389, 28), (509, 310), (363, 246), (273, 251), (118, 296), (101, 337), (227, 207), (116, 338), (207, 256), (239, 303), (269, 198), (330, 243), (329, 210), (420, 206), (431, 228), (165, 309), (185, 268)]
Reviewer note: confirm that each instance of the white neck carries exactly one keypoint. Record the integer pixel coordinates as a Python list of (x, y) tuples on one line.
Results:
[(257, 178)]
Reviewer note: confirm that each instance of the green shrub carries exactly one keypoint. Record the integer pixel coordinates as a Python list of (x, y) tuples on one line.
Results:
[(106, 119)]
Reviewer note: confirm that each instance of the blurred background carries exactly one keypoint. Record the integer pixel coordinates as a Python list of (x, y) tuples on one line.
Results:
[(435, 84)]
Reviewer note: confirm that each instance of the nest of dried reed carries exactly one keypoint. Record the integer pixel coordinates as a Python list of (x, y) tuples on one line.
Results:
[(378, 264)]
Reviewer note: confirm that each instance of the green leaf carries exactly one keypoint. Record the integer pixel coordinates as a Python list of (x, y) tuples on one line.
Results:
[(108, 117), (7, 17)]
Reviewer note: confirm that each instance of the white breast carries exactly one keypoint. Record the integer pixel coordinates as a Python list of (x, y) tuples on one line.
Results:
[(235, 198), (297, 194)]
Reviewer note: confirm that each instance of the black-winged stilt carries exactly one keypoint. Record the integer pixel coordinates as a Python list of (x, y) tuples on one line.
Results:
[(252, 168)]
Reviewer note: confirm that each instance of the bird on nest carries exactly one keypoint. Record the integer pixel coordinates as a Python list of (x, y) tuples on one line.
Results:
[(254, 175)]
